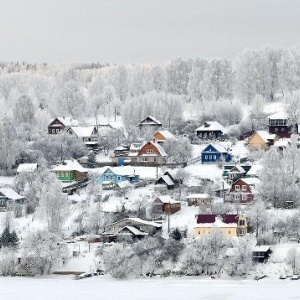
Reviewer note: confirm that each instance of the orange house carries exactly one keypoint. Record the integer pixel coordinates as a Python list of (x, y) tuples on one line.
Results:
[(152, 153), (162, 135), (262, 140)]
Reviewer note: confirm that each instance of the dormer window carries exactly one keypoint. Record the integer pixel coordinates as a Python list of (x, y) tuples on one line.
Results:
[(149, 151)]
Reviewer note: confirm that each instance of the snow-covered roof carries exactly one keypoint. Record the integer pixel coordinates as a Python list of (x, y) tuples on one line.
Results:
[(282, 143), (122, 171), (263, 248), (153, 121), (132, 229), (150, 223), (279, 116), (218, 147), (158, 147), (266, 136), (166, 199), (167, 180), (69, 165), (11, 194), (82, 131), (240, 169), (198, 196), (212, 126), (124, 184), (67, 121), (166, 134), (23, 168)]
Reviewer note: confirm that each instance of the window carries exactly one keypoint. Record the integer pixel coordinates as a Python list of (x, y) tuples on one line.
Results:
[(53, 130), (276, 129), (244, 187), (242, 222), (57, 130), (215, 157), (119, 177), (210, 156), (144, 159), (199, 232), (237, 187), (237, 197), (206, 156), (149, 151), (282, 129)]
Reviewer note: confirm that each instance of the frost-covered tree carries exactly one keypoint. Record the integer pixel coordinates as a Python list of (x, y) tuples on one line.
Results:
[(7, 262), (217, 80), (53, 205), (42, 252), (24, 111), (293, 259), (179, 150)]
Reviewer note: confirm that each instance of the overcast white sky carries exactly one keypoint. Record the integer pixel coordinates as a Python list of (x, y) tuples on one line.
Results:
[(141, 31)]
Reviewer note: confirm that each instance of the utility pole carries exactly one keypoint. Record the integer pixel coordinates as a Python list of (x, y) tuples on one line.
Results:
[(61, 154), (169, 217)]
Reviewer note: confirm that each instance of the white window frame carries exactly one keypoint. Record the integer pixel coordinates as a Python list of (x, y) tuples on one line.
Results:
[(237, 188)]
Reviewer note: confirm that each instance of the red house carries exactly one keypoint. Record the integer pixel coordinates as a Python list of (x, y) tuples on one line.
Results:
[(165, 205), (243, 190), (60, 124)]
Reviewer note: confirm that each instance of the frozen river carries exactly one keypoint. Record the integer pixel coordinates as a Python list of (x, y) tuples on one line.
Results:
[(64, 287)]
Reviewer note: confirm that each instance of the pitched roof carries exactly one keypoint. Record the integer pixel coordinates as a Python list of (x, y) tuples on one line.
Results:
[(158, 147), (251, 181), (238, 168), (166, 199), (67, 121), (266, 136), (27, 168), (167, 134), (279, 116), (218, 147), (122, 171), (11, 194), (82, 131), (212, 126), (69, 165), (217, 221), (151, 121), (167, 180), (133, 230), (124, 184)]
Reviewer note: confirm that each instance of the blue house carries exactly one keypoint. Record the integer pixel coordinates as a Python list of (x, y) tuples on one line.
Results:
[(111, 176), (214, 153)]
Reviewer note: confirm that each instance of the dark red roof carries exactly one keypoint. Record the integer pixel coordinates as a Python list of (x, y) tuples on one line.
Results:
[(230, 218)]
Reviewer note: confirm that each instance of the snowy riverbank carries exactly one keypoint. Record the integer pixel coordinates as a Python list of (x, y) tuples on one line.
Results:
[(102, 287)]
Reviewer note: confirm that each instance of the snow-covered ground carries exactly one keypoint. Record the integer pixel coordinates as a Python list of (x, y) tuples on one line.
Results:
[(102, 287)]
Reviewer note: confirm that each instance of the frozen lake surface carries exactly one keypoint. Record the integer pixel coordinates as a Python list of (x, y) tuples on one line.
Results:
[(64, 287)]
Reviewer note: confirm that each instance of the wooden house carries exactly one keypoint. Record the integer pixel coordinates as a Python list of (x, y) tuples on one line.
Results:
[(151, 153), (9, 197), (150, 124), (261, 253), (228, 224), (161, 136), (211, 130), (112, 176), (214, 153), (165, 205), (142, 225), (262, 140), (278, 124), (168, 179), (70, 170), (131, 232), (244, 190), (88, 134), (61, 124), (199, 199)]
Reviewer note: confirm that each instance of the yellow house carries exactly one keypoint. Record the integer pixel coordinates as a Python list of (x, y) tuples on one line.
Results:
[(262, 140), (230, 225)]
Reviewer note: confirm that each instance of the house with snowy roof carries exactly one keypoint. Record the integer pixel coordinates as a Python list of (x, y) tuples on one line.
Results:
[(214, 153), (244, 190), (168, 179), (150, 123), (151, 153), (211, 130), (61, 124), (165, 204), (112, 176), (9, 196), (70, 170), (262, 140), (228, 224), (137, 223), (161, 136), (88, 134), (278, 124)]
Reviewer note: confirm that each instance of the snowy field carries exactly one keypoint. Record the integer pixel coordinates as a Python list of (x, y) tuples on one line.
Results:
[(64, 287)]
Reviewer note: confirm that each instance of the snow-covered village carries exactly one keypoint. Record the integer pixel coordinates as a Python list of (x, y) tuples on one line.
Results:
[(165, 175)]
